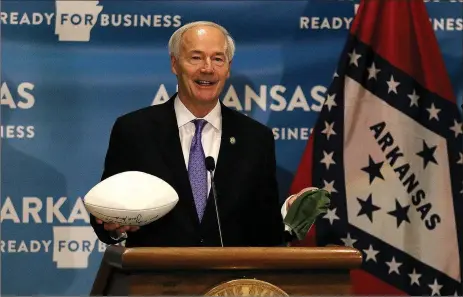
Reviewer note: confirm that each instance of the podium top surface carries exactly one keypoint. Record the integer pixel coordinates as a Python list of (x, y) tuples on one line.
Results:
[(160, 258)]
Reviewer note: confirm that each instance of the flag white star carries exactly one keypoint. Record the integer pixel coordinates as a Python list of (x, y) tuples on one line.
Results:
[(335, 74), (392, 84), (348, 241), (435, 287), (354, 58), (433, 111), (373, 71), (413, 98), (331, 215), (330, 101), (461, 159), (327, 159), (371, 253), (415, 278), (329, 186), (394, 266), (456, 128), (329, 130)]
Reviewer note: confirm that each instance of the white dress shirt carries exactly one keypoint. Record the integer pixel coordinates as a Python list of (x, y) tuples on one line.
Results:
[(211, 135)]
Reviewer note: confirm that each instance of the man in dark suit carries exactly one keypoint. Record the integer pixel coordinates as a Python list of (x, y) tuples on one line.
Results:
[(171, 141)]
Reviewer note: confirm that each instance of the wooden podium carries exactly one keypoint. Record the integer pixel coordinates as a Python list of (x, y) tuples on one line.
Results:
[(277, 271)]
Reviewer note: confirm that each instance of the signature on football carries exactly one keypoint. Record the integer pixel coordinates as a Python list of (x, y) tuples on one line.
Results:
[(126, 220)]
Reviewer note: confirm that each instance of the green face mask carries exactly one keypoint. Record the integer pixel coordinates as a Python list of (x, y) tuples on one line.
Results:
[(305, 210)]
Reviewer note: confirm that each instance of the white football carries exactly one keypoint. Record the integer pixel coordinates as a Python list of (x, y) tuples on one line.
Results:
[(131, 198)]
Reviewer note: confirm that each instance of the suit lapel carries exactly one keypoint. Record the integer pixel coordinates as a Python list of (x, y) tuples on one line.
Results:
[(173, 156), (228, 153), (227, 162)]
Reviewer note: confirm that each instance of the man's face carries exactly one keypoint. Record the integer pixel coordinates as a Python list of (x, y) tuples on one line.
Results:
[(202, 66)]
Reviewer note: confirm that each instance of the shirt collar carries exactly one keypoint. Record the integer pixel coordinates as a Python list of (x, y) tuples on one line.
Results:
[(184, 116)]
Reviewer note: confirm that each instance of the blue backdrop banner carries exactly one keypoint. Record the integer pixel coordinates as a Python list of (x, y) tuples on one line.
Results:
[(70, 68)]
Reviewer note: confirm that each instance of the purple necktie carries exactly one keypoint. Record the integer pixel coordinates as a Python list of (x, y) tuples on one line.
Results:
[(197, 169)]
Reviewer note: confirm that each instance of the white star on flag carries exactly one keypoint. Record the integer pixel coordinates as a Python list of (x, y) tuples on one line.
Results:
[(327, 159), (435, 288), (433, 111), (394, 266), (348, 241), (354, 58), (329, 130), (331, 215), (370, 253), (330, 101), (335, 74), (415, 277), (413, 98), (392, 84), (373, 71), (329, 186), (456, 128)]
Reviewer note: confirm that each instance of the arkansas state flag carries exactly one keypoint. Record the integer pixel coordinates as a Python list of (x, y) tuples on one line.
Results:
[(388, 146)]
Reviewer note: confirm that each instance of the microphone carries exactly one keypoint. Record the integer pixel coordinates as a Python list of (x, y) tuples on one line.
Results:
[(210, 166)]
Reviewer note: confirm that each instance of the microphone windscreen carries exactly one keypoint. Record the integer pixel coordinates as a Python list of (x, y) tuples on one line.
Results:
[(210, 163)]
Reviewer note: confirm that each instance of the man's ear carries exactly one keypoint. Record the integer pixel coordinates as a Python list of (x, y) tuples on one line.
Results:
[(173, 64)]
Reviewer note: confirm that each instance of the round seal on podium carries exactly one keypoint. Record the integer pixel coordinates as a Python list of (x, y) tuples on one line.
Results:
[(246, 287)]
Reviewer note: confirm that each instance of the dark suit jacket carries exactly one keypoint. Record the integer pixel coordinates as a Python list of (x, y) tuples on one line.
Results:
[(148, 140)]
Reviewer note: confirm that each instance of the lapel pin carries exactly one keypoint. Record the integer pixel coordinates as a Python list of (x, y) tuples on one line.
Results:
[(232, 140)]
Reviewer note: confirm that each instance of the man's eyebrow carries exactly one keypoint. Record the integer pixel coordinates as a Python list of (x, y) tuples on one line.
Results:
[(200, 52)]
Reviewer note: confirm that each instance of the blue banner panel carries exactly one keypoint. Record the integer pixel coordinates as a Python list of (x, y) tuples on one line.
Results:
[(70, 68)]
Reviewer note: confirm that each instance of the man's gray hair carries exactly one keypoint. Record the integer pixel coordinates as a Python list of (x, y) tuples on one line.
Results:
[(176, 38)]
